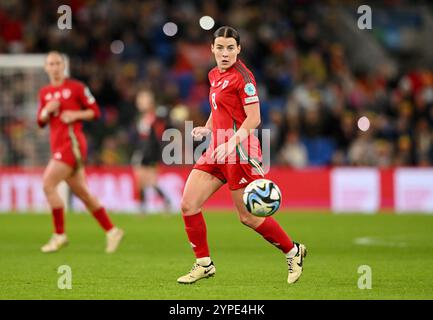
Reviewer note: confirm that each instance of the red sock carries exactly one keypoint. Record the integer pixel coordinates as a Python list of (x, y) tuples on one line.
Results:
[(195, 227), (272, 231), (58, 220), (103, 219)]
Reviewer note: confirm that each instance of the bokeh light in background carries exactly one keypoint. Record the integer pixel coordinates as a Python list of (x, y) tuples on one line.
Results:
[(117, 46), (207, 22), (363, 123), (170, 29)]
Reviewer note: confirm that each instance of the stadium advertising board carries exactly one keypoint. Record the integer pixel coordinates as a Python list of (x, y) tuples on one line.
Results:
[(341, 190), (414, 190)]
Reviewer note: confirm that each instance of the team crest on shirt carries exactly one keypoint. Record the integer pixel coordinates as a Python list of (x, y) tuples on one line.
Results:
[(225, 84), (250, 89), (66, 93)]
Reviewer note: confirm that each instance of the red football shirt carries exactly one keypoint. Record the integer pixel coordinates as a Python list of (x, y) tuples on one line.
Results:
[(73, 95), (230, 92)]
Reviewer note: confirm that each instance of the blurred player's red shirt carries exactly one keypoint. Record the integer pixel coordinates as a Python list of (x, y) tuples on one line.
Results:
[(68, 142), (230, 92)]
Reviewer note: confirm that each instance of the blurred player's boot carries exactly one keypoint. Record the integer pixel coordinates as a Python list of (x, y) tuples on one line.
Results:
[(56, 242), (296, 263), (198, 272), (114, 236)]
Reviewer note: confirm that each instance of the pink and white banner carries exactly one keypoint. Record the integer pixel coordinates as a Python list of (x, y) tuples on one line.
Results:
[(355, 190), (414, 190), (340, 190)]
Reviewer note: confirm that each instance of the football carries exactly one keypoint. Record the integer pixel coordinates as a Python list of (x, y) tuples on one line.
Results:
[(262, 197)]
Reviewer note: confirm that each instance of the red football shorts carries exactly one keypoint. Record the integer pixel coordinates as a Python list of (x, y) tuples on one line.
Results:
[(73, 153), (238, 175)]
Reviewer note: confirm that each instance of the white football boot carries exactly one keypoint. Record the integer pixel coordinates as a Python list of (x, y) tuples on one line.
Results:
[(198, 272), (114, 236), (295, 264), (56, 242)]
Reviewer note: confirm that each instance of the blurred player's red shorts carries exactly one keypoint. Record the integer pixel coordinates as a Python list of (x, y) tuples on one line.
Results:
[(238, 175), (71, 153)]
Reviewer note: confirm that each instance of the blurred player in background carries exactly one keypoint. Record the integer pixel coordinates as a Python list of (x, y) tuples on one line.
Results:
[(63, 105), (150, 127), (235, 106)]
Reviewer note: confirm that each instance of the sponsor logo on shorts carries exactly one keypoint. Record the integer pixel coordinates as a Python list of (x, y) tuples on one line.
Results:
[(243, 180)]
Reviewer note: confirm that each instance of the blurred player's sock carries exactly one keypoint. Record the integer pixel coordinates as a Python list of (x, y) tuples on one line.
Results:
[(103, 219), (114, 236), (295, 262), (58, 220), (272, 231), (195, 227), (56, 242), (162, 194)]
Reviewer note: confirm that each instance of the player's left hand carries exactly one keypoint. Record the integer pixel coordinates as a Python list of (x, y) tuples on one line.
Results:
[(68, 116), (223, 151)]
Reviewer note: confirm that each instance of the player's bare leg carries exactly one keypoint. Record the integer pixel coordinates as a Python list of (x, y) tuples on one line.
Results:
[(54, 173), (199, 187), (147, 176), (244, 216), (270, 229), (77, 183)]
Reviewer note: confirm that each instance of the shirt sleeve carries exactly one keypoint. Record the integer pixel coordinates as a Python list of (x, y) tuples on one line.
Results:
[(88, 101), (247, 90), (40, 107)]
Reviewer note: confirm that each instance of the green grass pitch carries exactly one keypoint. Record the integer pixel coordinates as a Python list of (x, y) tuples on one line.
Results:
[(155, 251)]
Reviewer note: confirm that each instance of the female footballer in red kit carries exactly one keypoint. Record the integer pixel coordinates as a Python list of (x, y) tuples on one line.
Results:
[(63, 105), (235, 111)]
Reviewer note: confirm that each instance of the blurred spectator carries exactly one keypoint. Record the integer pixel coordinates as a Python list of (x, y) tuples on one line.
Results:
[(311, 97), (293, 152)]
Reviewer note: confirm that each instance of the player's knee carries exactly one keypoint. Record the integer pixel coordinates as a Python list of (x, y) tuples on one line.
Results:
[(48, 187), (188, 207)]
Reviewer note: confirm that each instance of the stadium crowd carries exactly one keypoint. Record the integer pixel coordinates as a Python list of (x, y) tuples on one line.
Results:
[(311, 98)]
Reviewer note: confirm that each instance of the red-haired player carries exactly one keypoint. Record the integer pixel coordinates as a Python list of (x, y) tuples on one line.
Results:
[(63, 105), (233, 157)]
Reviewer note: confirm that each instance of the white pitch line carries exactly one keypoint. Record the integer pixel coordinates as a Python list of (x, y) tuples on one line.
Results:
[(373, 241)]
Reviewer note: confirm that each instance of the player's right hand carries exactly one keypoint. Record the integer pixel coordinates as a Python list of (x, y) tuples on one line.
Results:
[(52, 106), (199, 132)]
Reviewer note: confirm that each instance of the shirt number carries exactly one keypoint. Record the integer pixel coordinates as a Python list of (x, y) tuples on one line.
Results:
[(213, 101)]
